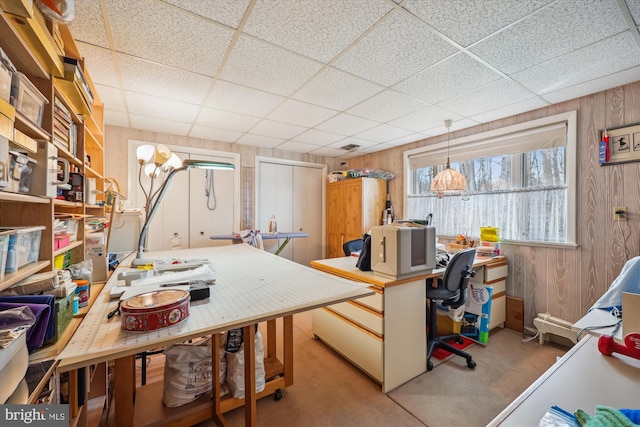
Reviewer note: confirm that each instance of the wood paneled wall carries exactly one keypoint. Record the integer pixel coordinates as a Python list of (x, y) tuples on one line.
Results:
[(563, 282)]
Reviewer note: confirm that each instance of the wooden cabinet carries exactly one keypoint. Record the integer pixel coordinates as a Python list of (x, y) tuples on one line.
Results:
[(353, 207)]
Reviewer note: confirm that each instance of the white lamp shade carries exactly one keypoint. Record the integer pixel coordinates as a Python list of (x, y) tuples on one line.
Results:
[(174, 162), (448, 180), (144, 153), (151, 170)]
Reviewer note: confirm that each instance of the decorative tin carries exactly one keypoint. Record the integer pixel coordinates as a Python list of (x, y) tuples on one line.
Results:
[(154, 310)]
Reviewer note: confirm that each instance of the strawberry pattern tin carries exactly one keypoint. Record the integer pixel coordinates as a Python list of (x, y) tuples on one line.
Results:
[(154, 310)]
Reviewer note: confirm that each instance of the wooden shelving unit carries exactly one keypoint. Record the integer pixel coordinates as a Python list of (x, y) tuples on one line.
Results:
[(30, 44)]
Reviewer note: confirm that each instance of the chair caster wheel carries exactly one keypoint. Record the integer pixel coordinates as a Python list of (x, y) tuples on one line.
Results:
[(471, 364), (429, 366), (278, 394), (459, 340)]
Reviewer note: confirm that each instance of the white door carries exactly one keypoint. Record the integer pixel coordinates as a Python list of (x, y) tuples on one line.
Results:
[(293, 193), (210, 212)]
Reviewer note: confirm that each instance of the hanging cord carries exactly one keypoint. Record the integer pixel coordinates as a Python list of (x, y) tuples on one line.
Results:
[(209, 190)]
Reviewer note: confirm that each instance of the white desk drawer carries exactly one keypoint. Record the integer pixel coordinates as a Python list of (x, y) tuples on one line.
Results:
[(375, 301), (356, 345), (369, 320), (491, 272)]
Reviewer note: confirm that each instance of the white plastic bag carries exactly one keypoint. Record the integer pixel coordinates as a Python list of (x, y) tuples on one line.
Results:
[(187, 372), (235, 368)]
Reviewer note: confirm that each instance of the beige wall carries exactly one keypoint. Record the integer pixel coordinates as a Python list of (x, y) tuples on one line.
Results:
[(564, 282)]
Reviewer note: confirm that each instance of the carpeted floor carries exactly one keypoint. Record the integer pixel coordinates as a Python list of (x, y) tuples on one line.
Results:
[(329, 391)]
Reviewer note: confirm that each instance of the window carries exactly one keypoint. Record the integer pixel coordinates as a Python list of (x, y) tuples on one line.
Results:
[(520, 179)]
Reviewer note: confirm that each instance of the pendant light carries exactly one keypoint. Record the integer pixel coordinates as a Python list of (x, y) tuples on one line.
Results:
[(448, 180)]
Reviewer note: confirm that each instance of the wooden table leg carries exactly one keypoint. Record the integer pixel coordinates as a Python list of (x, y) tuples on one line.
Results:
[(124, 390), (271, 338), (249, 377), (287, 343), (218, 418)]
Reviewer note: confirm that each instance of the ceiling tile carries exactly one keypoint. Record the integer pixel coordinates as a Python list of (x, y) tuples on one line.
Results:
[(159, 125), (361, 143), (563, 26), (214, 134), (223, 11), (383, 133), (155, 31), (634, 9), (296, 147), (111, 96), (91, 28), (155, 79), (346, 124), (161, 108), (507, 111), (116, 118), (374, 149), (301, 113), (586, 88), (435, 83), (466, 22), (263, 66), (588, 63), (412, 137), (318, 137), (317, 29), (336, 89), (397, 47), (259, 141), (100, 64), (499, 94), (240, 99), (387, 105), (226, 120), (424, 119), (328, 152), (277, 129)]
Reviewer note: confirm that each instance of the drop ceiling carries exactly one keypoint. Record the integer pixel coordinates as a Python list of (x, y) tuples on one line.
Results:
[(312, 76)]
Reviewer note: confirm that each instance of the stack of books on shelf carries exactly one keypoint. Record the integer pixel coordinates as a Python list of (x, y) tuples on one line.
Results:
[(65, 132), (73, 72)]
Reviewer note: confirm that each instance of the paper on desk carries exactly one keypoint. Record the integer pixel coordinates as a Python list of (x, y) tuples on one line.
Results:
[(203, 272)]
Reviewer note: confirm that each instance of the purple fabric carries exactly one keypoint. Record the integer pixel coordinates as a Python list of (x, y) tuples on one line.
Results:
[(37, 332), (50, 300)]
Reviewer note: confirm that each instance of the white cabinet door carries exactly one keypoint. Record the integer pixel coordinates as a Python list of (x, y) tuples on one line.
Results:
[(210, 209), (293, 193)]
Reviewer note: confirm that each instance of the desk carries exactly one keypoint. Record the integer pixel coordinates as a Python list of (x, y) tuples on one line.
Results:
[(581, 379), (383, 334), (252, 286), (266, 236)]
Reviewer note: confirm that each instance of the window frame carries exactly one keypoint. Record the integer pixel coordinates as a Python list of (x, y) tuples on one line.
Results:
[(568, 118)]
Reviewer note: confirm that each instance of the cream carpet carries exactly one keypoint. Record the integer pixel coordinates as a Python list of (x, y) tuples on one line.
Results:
[(329, 391)]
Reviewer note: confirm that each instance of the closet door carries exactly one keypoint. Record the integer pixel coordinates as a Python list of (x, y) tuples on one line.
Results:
[(307, 215), (293, 193), (211, 210)]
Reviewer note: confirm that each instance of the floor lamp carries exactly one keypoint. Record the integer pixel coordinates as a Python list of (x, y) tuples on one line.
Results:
[(153, 203)]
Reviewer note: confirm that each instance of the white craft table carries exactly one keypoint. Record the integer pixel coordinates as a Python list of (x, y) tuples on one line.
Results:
[(252, 286)]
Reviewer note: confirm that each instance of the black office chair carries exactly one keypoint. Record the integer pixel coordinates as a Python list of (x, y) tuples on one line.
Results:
[(450, 292), (352, 246)]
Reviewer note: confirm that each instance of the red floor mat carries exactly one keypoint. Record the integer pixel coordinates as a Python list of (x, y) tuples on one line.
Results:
[(440, 354)]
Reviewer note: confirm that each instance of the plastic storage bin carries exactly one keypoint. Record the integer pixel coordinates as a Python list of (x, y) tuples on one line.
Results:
[(27, 98), (4, 249), (6, 75), (24, 246)]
